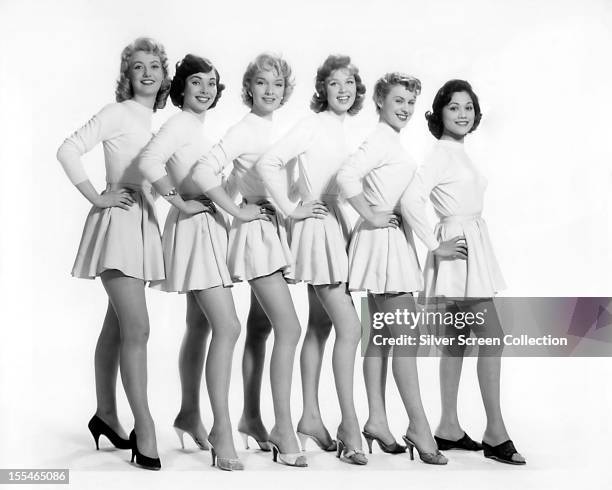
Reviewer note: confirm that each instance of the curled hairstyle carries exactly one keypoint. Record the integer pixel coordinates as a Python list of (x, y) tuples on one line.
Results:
[(267, 62), (385, 83), (189, 65), (332, 63), (124, 87), (443, 98)]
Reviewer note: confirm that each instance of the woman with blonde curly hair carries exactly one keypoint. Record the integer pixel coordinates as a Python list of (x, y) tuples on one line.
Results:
[(121, 242), (383, 261), (319, 240), (259, 253)]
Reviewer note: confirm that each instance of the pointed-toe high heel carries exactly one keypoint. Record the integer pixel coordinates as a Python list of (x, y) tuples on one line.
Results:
[(354, 456), (466, 443), (290, 459), (203, 445), (141, 460), (502, 452), (303, 437), (98, 428), (226, 464), (429, 458), (263, 445), (393, 448)]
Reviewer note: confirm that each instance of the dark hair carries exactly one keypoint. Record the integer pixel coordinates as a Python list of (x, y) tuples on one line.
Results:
[(189, 65), (443, 98), (332, 63), (124, 86), (383, 86)]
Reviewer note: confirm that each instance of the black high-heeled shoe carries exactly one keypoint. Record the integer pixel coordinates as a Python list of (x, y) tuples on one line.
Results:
[(502, 452), (98, 427), (393, 448), (142, 460), (465, 442)]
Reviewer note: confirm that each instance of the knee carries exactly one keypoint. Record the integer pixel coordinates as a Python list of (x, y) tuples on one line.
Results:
[(135, 331), (258, 328), (197, 325), (491, 350), (453, 350), (319, 329), (350, 336), (233, 329), (289, 334)]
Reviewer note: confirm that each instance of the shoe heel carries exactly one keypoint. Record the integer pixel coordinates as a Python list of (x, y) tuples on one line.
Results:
[(274, 454), (245, 439), (213, 455), (303, 438), (180, 433), (133, 456), (98, 427), (340, 448), (369, 440), (410, 446), (95, 432)]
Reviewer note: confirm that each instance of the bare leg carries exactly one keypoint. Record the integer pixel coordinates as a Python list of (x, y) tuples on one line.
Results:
[(191, 365), (106, 363), (375, 376), (337, 302), (311, 358), (489, 371), (127, 296), (406, 375), (451, 364), (273, 295), (218, 305), (258, 329)]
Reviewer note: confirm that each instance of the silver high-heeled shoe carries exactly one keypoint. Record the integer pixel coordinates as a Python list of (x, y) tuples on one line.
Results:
[(227, 464), (290, 459), (263, 445), (303, 437), (354, 456), (429, 458), (203, 445)]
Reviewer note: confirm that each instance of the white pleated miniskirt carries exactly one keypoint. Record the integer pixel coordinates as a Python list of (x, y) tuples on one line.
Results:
[(258, 248), (383, 260), (477, 277), (126, 240), (319, 247), (195, 251)]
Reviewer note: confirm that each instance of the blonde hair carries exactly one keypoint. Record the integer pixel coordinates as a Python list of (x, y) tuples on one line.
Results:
[(383, 86), (267, 62), (124, 87)]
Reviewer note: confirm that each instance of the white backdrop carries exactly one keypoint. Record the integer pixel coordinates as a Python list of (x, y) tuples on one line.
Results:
[(542, 72)]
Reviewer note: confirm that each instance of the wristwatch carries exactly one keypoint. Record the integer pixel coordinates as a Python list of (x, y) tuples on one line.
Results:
[(171, 193)]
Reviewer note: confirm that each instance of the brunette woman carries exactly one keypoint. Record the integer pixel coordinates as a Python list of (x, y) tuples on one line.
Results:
[(461, 272), (195, 251)]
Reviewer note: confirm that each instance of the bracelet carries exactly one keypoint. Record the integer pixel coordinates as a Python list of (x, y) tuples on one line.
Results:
[(171, 193)]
